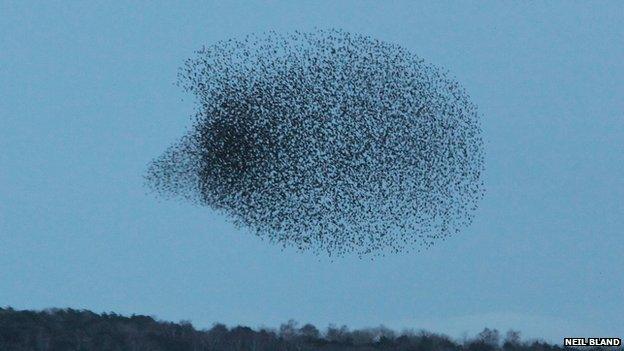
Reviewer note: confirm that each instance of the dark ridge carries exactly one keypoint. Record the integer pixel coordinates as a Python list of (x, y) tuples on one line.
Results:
[(68, 329), (327, 141)]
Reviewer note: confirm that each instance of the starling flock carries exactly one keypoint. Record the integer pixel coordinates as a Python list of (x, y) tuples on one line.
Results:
[(327, 141)]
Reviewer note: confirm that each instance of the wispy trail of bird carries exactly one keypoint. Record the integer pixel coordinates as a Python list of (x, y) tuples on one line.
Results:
[(327, 141)]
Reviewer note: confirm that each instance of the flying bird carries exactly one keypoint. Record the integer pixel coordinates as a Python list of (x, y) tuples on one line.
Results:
[(327, 141)]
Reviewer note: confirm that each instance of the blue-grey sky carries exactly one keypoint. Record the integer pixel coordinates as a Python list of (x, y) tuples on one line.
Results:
[(87, 100)]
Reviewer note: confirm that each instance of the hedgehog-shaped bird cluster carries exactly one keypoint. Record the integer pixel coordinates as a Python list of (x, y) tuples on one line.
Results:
[(327, 141)]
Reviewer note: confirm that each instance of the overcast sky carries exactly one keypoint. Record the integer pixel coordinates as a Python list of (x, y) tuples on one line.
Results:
[(87, 100)]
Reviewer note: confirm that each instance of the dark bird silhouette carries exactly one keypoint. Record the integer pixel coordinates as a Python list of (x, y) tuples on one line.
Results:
[(327, 141)]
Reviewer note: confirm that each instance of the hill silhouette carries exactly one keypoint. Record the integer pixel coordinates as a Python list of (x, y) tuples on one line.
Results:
[(69, 329)]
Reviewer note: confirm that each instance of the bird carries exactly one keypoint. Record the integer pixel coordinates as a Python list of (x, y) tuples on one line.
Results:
[(327, 141)]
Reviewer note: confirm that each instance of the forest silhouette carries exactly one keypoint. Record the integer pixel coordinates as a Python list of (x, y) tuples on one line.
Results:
[(70, 329)]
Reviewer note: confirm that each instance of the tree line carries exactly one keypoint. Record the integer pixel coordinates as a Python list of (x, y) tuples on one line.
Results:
[(70, 329)]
